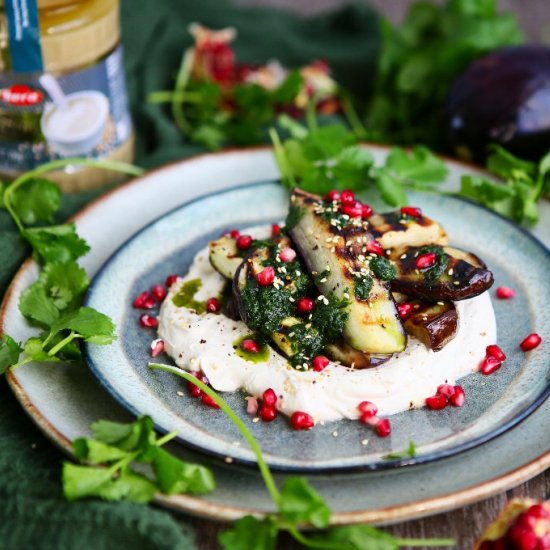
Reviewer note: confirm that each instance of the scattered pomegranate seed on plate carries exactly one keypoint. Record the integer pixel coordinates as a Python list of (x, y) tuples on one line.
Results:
[(244, 242), (319, 363), (207, 400), (269, 397), (267, 413), (494, 351), (213, 305), (145, 301), (302, 421), (157, 347), (159, 292), (148, 321), (459, 397), (250, 345), (171, 279), (234, 233), (531, 342), (446, 389), (489, 365), (437, 402), (505, 292), (275, 230), (367, 408), (383, 428)]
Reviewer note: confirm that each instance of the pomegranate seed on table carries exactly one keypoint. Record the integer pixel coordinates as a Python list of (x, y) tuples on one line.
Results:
[(267, 413), (266, 276), (269, 397), (305, 305), (505, 292), (494, 351), (374, 247), (275, 230), (413, 211), (213, 305), (244, 242), (171, 279), (437, 402), (347, 197), (459, 397), (250, 345), (159, 292), (489, 365), (353, 210), (426, 260), (531, 342), (319, 363), (383, 428), (234, 233), (287, 255), (446, 389), (367, 409), (148, 321), (333, 195), (302, 421), (405, 310), (157, 347), (145, 301), (366, 211), (207, 400)]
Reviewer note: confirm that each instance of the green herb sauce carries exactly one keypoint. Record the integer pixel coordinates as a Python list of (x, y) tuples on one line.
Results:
[(363, 286), (186, 296), (383, 269), (434, 273), (295, 214), (261, 357)]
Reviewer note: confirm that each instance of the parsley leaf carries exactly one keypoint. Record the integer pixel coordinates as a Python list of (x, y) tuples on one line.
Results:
[(9, 352), (250, 533), (37, 201)]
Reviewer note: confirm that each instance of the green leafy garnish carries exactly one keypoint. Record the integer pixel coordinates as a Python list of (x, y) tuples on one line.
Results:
[(382, 268), (410, 452), (109, 458)]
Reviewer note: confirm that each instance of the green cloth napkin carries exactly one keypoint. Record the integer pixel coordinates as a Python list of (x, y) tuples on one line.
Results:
[(33, 513)]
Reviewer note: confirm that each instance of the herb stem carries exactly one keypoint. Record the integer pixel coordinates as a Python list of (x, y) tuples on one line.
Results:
[(182, 79), (59, 346), (21, 363), (429, 543), (312, 543), (169, 96), (247, 434), (281, 157), (168, 437), (353, 118)]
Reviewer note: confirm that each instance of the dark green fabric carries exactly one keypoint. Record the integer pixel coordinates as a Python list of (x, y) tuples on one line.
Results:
[(33, 514)]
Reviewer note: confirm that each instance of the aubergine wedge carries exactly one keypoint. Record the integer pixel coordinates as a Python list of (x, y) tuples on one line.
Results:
[(333, 247), (224, 256), (454, 275)]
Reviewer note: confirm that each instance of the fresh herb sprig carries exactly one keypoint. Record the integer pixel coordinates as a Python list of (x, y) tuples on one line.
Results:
[(298, 505), (54, 302), (108, 471)]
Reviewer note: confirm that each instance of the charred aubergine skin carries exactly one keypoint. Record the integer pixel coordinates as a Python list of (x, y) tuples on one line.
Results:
[(333, 248)]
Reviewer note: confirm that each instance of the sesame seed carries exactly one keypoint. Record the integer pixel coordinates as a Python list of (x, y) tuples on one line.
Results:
[(440, 303), (416, 254), (291, 299), (456, 282), (323, 280), (320, 297), (403, 222), (365, 442), (403, 256), (335, 433), (255, 420), (451, 271), (180, 393), (228, 459)]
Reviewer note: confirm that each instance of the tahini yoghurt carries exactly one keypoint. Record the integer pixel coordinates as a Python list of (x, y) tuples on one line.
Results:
[(206, 342)]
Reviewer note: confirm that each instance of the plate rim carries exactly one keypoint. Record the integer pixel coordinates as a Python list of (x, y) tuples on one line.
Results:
[(379, 466), (226, 512)]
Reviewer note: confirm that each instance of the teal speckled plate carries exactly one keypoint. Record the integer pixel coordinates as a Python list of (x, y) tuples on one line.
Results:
[(494, 403)]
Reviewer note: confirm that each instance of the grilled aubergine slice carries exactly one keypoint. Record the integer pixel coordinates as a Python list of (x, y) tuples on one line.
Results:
[(453, 274), (224, 256), (334, 249)]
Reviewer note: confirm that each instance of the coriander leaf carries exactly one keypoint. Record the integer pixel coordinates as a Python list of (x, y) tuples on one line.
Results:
[(3, 187), (9, 352), (300, 503), (37, 306), (484, 190), (250, 533), (34, 349), (129, 437), (361, 537), (420, 165), (129, 485), (292, 126), (83, 481), (65, 283), (289, 89), (352, 166), (544, 165), (37, 201), (504, 164), (58, 243), (175, 476), (408, 453), (89, 324), (209, 135), (391, 189), (96, 452), (326, 142)]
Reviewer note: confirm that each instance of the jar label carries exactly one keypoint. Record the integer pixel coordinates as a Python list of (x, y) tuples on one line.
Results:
[(90, 115)]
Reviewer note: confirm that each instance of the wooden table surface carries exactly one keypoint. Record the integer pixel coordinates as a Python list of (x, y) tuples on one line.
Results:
[(468, 523)]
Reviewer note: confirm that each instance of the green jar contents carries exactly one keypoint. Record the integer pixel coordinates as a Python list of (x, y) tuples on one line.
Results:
[(62, 89)]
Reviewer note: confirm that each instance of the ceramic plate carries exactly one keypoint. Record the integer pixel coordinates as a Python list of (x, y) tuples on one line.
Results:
[(167, 246), (65, 399)]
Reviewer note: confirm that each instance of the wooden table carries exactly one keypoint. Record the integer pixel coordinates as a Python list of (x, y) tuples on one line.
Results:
[(468, 523)]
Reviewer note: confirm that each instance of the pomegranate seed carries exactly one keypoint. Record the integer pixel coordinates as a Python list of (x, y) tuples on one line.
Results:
[(333, 195), (531, 342), (505, 292), (446, 389), (374, 247), (302, 421), (251, 405), (266, 276), (411, 211), (234, 233), (426, 261), (267, 414), (371, 420), (522, 538), (244, 242), (269, 398), (148, 321), (145, 301), (526, 520), (207, 400), (194, 389), (319, 363), (171, 279), (250, 345), (275, 230), (287, 255), (347, 197), (494, 351), (459, 397), (367, 408), (538, 511), (159, 292), (353, 210), (489, 365), (213, 305), (405, 310), (366, 211), (437, 402), (305, 305), (157, 347), (383, 428)]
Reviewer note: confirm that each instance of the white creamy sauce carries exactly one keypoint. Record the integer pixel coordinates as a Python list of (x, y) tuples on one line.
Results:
[(205, 342)]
